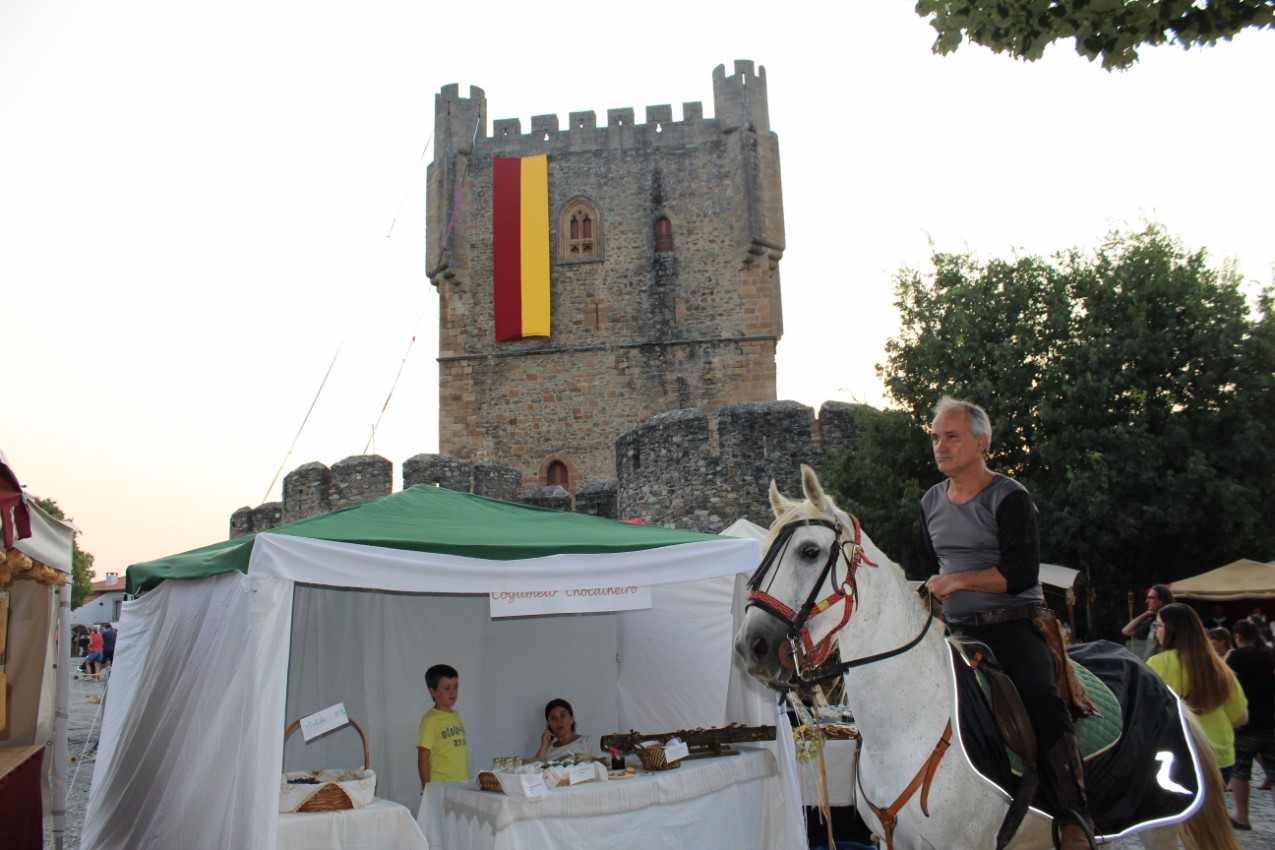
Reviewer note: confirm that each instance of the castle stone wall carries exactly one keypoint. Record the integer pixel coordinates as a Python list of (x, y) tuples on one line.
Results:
[(497, 482), (306, 492), (597, 498), (241, 522), (837, 428), (681, 469), (441, 470), (552, 498), (360, 478)]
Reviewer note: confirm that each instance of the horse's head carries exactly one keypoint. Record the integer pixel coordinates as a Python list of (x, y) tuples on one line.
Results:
[(804, 590)]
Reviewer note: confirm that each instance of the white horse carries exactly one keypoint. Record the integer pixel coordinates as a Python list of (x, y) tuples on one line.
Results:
[(822, 575)]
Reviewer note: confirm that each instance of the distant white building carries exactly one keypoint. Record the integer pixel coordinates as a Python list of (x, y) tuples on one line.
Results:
[(102, 605)]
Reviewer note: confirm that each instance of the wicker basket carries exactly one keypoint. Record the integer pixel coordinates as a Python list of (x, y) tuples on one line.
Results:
[(652, 758), (489, 781), (351, 792)]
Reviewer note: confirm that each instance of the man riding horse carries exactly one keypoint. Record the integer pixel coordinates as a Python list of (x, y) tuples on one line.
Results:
[(979, 533)]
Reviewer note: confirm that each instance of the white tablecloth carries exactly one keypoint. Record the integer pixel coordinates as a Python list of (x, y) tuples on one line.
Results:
[(727, 802), (838, 757), (384, 825)]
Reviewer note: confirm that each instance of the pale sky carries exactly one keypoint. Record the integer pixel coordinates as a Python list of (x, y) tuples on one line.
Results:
[(200, 203)]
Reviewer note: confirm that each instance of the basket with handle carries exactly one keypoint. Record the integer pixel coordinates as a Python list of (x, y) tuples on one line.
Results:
[(337, 789), (652, 758)]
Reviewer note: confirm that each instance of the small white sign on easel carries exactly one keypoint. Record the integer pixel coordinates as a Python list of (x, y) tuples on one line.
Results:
[(323, 722)]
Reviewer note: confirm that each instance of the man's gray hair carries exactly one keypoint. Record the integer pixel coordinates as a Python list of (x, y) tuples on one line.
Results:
[(980, 424)]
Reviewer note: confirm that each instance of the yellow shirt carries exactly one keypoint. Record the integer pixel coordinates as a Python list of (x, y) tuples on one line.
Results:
[(1218, 724), (443, 734)]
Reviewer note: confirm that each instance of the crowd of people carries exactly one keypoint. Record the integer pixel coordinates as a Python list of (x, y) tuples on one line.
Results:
[(1224, 670), (96, 645)]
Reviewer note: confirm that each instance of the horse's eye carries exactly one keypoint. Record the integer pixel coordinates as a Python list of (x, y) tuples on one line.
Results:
[(809, 551)]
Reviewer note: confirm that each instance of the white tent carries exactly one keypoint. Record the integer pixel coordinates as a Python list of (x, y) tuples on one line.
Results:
[(1243, 579), (37, 664), (352, 607)]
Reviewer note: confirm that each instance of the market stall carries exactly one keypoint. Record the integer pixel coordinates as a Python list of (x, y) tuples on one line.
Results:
[(229, 643), (35, 566)]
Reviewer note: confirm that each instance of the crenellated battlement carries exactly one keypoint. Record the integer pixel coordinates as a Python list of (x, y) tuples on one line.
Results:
[(681, 468), (738, 100)]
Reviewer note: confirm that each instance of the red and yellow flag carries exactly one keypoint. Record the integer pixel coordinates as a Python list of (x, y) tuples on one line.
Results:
[(520, 237)]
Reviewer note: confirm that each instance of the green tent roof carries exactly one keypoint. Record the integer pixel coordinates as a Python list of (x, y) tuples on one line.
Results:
[(430, 519)]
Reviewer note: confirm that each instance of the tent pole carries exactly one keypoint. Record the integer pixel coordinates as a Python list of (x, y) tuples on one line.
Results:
[(62, 703)]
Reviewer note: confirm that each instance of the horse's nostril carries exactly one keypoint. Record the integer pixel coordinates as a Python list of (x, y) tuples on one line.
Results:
[(760, 647)]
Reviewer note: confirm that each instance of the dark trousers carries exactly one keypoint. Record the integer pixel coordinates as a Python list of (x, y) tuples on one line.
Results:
[(1021, 650)]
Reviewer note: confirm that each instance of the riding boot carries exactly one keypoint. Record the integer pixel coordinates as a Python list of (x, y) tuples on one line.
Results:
[(1064, 773)]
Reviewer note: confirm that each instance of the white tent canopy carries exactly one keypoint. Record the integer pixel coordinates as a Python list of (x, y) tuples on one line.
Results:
[(209, 670), (1242, 579)]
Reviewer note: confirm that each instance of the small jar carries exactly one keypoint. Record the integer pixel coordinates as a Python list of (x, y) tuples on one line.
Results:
[(617, 761)]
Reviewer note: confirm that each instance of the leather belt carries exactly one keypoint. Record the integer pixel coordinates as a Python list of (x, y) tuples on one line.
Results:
[(1025, 611)]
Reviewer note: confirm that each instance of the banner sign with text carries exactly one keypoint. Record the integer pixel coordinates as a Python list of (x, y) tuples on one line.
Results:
[(587, 600)]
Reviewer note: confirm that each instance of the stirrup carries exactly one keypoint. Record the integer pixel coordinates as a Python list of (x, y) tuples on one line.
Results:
[(1071, 816)]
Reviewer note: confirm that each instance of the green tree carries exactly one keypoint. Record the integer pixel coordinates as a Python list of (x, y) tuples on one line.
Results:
[(881, 478), (1131, 389), (1112, 30), (81, 561)]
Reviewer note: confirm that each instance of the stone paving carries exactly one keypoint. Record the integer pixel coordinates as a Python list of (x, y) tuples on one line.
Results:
[(1261, 814), (85, 721)]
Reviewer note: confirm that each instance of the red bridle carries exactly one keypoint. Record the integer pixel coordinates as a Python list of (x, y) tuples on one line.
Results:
[(844, 591)]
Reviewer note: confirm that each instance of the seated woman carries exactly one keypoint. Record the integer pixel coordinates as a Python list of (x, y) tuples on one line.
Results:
[(560, 739)]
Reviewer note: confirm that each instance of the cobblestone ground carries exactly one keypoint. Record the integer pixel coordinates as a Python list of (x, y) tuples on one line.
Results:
[(1261, 814), (86, 720)]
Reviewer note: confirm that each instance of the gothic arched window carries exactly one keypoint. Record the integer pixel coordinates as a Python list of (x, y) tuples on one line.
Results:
[(557, 474), (663, 236), (579, 231)]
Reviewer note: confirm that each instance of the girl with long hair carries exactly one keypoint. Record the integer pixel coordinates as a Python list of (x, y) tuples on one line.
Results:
[(1191, 668)]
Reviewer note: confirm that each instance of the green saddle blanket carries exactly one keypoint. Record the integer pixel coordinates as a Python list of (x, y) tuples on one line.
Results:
[(1097, 733)]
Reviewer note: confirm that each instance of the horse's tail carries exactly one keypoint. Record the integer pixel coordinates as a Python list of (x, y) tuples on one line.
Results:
[(1210, 827)]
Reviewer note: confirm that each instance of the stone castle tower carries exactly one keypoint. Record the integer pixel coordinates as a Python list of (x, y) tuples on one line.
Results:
[(665, 240)]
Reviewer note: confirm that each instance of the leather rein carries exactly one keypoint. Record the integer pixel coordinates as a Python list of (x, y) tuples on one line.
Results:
[(847, 590)]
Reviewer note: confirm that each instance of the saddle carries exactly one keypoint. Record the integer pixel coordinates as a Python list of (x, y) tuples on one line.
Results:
[(1015, 727), (1097, 731), (1132, 727)]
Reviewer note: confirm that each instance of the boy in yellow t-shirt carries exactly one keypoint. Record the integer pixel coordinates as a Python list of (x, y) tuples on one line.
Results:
[(442, 753)]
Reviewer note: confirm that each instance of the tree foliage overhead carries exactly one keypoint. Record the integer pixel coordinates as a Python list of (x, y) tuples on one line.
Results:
[(81, 561), (1112, 30), (1131, 389)]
